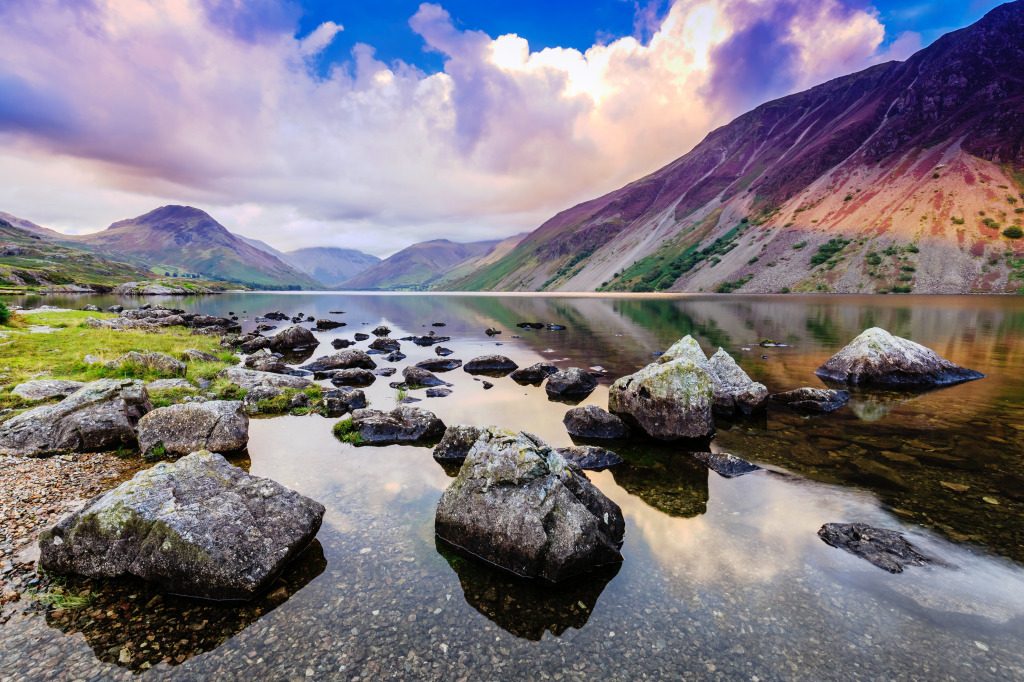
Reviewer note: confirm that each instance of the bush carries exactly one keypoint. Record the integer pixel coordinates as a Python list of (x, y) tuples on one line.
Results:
[(5, 313), (1013, 232), (957, 221), (913, 249), (800, 245)]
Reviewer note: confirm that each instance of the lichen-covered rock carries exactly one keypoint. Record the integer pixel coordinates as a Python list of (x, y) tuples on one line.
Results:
[(734, 390), (886, 549), (876, 357), (44, 389), (99, 416), (490, 364), (346, 359), (589, 457), (217, 425), (522, 506), (458, 440), (417, 376), (198, 527), (265, 361), (157, 362), (250, 378), (352, 377), (591, 422), (402, 425), (813, 400), (667, 401), (340, 401), (196, 355), (725, 464), (439, 364), (251, 401), (572, 382), (293, 338), (534, 374), (169, 384)]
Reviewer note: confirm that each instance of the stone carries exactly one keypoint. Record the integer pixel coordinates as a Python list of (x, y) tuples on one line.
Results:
[(293, 338), (198, 527), (402, 425), (397, 356), (385, 345), (216, 425), (251, 343), (886, 549), (361, 336), (353, 377), (342, 343), (340, 401), (496, 365), (556, 327), (725, 464), (325, 325), (878, 358), (427, 340), (591, 422), (439, 364), (44, 389), (813, 400), (157, 362), (276, 315), (491, 331), (196, 355), (386, 371), (100, 416), (521, 505), (90, 307), (90, 359), (253, 396), (458, 440), (734, 391), (169, 384), (299, 400), (590, 458), (571, 382), (441, 351), (381, 330), (534, 374), (115, 308), (250, 378), (438, 392), (530, 325), (667, 401), (346, 359), (265, 361), (417, 376)]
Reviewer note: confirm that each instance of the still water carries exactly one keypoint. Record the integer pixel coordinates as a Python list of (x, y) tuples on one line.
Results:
[(722, 578)]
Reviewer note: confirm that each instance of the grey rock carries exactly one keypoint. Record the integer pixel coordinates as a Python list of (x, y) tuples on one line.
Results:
[(293, 338), (90, 359), (590, 458), (497, 365), (386, 372), (115, 308), (196, 355), (340, 401), (299, 400), (534, 374), (886, 549), (725, 464), (417, 376), (734, 391), (813, 400), (265, 361), (458, 440), (346, 359), (157, 362), (520, 505), (250, 378), (342, 343), (571, 382), (90, 307), (402, 425), (385, 345), (441, 351), (590, 421), (168, 384), (253, 396), (324, 325), (397, 356), (198, 527), (353, 377), (381, 330), (250, 343), (44, 389), (439, 364), (361, 336), (667, 401), (438, 392), (217, 425)]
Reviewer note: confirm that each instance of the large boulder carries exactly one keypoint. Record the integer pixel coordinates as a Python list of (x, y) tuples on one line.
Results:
[(99, 416), (570, 383), (250, 378), (217, 425), (734, 391), (591, 422), (346, 359), (403, 425), (813, 400), (417, 376), (667, 401), (522, 506), (494, 365), (293, 338), (534, 374), (458, 440), (199, 527), (156, 362), (876, 357), (44, 389)]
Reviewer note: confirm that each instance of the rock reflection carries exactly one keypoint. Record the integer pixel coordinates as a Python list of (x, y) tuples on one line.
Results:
[(523, 607), (667, 479), (135, 625)]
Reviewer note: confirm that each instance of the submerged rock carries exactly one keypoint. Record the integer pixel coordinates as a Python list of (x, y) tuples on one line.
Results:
[(360, 336), (591, 422), (438, 392), (198, 527), (402, 425), (44, 389), (157, 362), (886, 549), (570, 383), (217, 425), (668, 401), (458, 440), (725, 464), (381, 330), (439, 364), (346, 359), (876, 357), (417, 376), (342, 343), (324, 325), (99, 416), (522, 506), (813, 400), (490, 364), (590, 458), (534, 374)]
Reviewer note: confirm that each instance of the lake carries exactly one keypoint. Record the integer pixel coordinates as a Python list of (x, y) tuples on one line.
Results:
[(722, 578)]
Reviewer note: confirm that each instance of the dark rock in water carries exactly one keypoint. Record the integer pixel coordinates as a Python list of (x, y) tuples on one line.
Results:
[(487, 385), (768, 343), (299, 400), (381, 331), (336, 312), (250, 343), (346, 359), (534, 374), (571, 382), (878, 358), (442, 351), (402, 425), (374, 352), (385, 345), (397, 356), (177, 525), (590, 458), (417, 376), (438, 324), (276, 315), (457, 441), (361, 336), (530, 325), (297, 319), (813, 400), (353, 377), (178, 430), (342, 343), (496, 365), (338, 401), (886, 549), (293, 338), (522, 506), (438, 392), (399, 385), (324, 325), (556, 327), (386, 371), (428, 340), (115, 309), (439, 365), (725, 464), (591, 422), (491, 331), (667, 401)]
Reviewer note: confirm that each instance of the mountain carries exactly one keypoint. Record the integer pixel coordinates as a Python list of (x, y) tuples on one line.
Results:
[(425, 265), (907, 176), (31, 227), (329, 264), (187, 240)]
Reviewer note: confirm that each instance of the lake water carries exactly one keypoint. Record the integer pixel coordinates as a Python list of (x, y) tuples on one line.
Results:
[(722, 578)]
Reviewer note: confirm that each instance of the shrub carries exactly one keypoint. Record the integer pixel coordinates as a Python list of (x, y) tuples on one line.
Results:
[(753, 260), (908, 268), (957, 221), (873, 259), (800, 245), (826, 251), (784, 290), (935, 176), (906, 277), (898, 289), (848, 197), (5, 313), (345, 432), (1013, 232)]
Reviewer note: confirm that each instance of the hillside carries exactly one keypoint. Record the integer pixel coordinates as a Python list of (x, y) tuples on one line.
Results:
[(330, 265), (187, 240), (903, 177), (421, 266)]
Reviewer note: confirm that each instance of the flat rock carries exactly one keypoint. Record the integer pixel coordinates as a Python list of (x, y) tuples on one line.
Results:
[(169, 384), (458, 440), (439, 364), (534, 374), (157, 362), (346, 359), (813, 400), (497, 365), (438, 392), (216, 425), (590, 421), (342, 343), (198, 527), (249, 378), (196, 355), (725, 464), (886, 549), (353, 377), (360, 336), (44, 389), (876, 357), (417, 376), (667, 401), (324, 325), (571, 382), (590, 458), (402, 425)]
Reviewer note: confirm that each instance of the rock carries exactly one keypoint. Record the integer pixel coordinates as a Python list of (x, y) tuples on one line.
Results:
[(92, 360), (265, 327), (496, 365), (91, 308), (249, 379), (381, 330), (530, 325), (385, 371), (44, 389), (725, 464), (734, 390), (813, 400), (157, 362), (438, 324), (293, 338), (361, 336), (591, 422), (385, 345), (417, 376), (572, 382), (276, 315), (487, 385), (556, 327), (458, 440), (534, 374), (346, 359), (441, 351), (324, 325), (196, 355), (876, 357), (395, 357), (402, 425), (353, 377), (439, 365), (251, 343), (115, 308), (886, 549), (491, 331), (99, 416), (198, 527), (299, 400), (668, 401), (427, 340), (588, 457), (342, 343), (438, 392), (265, 361), (522, 506), (340, 401), (251, 401), (169, 384), (217, 425)]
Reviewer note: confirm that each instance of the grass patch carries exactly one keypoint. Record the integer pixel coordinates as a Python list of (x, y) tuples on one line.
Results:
[(733, 285), (826, 251), (799, 245), (346, 433), (56, 598), (283, 403)]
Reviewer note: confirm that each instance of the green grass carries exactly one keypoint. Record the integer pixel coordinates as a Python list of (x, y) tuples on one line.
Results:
[(56, 598), (346, 433), (731, 286), (826, 251), (799, 245)]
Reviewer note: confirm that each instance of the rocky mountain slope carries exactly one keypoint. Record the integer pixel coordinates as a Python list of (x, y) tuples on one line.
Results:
[(329, 264), (908, 176)]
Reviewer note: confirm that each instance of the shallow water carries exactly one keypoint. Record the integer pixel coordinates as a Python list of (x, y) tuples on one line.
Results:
[(722, 577)]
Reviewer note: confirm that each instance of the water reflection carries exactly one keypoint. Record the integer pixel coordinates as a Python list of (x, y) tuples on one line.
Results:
[(667, 479)]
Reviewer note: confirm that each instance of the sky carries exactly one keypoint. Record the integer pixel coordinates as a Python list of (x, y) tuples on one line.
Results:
[(375, 125)]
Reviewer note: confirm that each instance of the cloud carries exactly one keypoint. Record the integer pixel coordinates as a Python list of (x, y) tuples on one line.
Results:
[(117, 106)]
